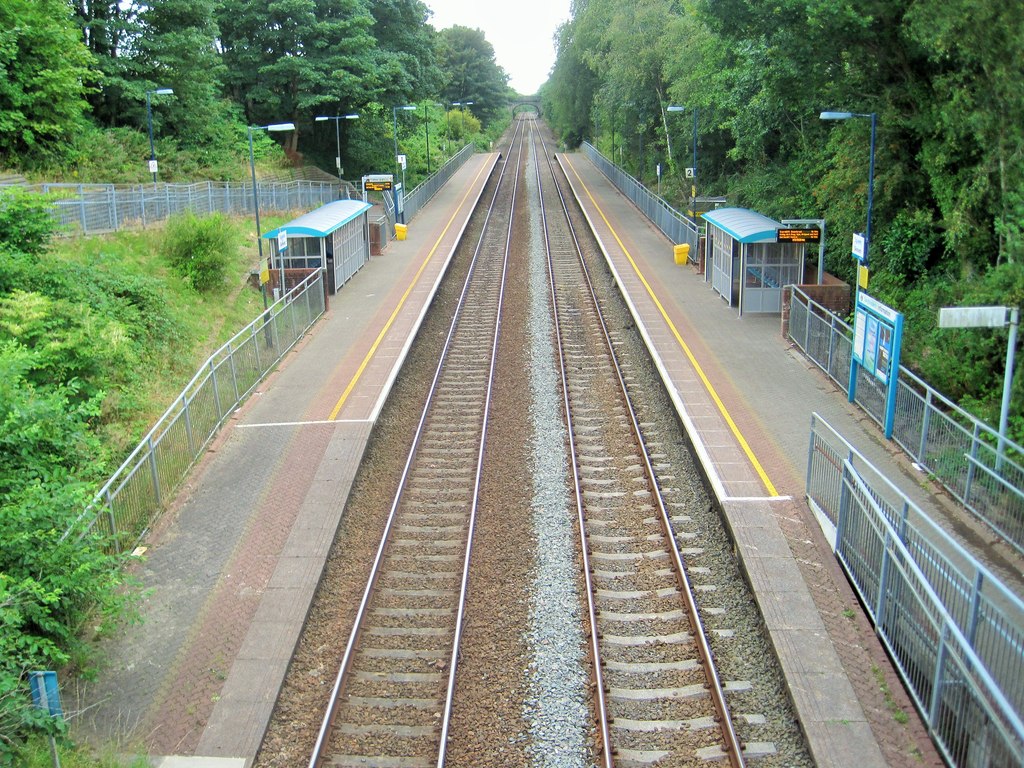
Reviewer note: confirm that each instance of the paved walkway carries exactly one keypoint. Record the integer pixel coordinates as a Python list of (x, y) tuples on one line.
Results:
[(232, 568)]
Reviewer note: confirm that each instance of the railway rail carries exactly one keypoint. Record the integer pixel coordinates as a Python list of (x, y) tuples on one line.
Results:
[(658, 697), (391, 702)]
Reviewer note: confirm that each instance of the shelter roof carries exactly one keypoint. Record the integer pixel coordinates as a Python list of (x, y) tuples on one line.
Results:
[(744, 225), (323, 221)]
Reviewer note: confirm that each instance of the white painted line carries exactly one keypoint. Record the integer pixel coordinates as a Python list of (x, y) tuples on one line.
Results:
[(757, 498), (304, 423)]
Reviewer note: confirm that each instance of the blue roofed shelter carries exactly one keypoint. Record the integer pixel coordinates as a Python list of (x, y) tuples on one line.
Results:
[(749, 267), (334, 237)]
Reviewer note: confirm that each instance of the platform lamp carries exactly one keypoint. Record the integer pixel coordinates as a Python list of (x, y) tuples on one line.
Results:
[(149, 122), (871, 171), (448, 120), (693, 185), (337, 133), (273, 127), (394, 115)]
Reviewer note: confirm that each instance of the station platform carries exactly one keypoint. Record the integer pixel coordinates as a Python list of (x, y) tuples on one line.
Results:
[(233, 567), (230, 571)]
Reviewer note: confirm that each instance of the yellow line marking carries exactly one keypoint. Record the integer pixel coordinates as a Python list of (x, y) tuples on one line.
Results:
[(686, 349), (391, 320)]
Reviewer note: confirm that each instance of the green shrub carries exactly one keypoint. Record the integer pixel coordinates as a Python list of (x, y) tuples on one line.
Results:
[(25, 222), (200, 249)]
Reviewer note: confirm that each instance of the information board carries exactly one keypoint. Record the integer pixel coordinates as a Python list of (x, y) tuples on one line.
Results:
[(877, 333), (378, 182), (798, 235)]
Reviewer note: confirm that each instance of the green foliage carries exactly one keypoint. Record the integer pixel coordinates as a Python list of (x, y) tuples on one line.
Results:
[(49, 583), (472, 72), (46, 71), (25, 221), (200, 249)]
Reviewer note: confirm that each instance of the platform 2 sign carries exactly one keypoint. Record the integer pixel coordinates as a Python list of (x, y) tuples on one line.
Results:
[(877, 336), (798, 235)]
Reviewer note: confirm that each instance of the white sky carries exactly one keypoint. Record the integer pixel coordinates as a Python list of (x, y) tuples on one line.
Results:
[(521, 31)]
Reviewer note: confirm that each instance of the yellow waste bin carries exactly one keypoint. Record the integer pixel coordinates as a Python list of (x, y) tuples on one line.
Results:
[(400, 231), (682, 252)]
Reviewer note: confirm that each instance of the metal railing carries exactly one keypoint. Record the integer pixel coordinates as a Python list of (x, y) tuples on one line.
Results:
[(954, 632), (959, 450), (427, 188), (149, 477), (94, 208), (676, 227)]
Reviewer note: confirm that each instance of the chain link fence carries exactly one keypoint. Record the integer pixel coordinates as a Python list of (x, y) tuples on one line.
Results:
[(954, 631), (149, 477), (952, 445)]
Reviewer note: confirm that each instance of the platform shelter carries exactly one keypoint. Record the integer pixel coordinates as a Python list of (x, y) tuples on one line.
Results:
[(334, 237), (748, 266)]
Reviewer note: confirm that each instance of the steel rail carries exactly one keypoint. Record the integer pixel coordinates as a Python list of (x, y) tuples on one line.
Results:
[(460, 618), (319, 749), (732, 745)]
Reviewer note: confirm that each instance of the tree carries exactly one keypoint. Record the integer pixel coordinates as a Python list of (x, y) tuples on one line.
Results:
[(45, 78), (473, 73)]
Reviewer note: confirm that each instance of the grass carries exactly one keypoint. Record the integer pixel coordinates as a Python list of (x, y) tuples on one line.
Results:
[(898, 714), (202, 322), (36, 754)]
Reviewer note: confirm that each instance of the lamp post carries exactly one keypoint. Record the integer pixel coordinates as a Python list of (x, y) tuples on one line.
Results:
[(149, 122), (394, 114), (871, 170), (693, 185), (448, 121), (273, 127), (337, 133)]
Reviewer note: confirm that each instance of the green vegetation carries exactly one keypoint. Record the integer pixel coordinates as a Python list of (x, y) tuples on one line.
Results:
[(944, 81), (96, 337)]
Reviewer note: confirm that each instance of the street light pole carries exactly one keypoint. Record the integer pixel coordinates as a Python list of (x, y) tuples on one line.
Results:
[(871, 169), (394, 192), (337, 133), (693, 186), (255, 194), (149, 122)]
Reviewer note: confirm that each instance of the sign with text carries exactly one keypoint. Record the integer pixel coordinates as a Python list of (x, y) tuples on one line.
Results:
[(877, 337), (380, 182), (282, 241), (798, 235), (860, 249)]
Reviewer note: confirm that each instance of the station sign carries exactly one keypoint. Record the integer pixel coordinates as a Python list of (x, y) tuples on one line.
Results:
[(798, 235), (381, 182)]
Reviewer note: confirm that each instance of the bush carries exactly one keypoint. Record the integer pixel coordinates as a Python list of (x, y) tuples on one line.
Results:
[(200, 249), (25, 222)]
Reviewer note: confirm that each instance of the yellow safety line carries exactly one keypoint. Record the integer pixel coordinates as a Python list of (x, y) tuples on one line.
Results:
[(693, 361), (401, 303)]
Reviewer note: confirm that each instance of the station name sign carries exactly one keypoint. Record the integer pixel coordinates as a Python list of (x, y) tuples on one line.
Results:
[(378, 183), (799, 235)]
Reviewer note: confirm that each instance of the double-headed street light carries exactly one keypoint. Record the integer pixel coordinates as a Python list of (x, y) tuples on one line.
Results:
[(337, 133), (273, 127), (149, 122), (394, 114), (448, 120), (871, 170)]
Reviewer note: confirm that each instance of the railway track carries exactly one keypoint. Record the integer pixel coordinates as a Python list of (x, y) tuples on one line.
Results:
[(658, 697), (392, 699)]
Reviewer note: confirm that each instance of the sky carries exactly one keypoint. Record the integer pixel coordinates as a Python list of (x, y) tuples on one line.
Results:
[(521, 31)]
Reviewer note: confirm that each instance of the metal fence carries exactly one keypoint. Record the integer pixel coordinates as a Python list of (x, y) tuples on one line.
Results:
[(95, 208), (427, 188), (954, 632), (676, 227), (952, 445), (130, 499)]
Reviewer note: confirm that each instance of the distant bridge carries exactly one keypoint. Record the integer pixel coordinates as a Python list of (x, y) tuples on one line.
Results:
[(520, 106)]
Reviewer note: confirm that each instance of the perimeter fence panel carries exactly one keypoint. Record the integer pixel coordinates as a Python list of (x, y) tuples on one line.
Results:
[(429, 187), (149, 477), (97, 208), (674, 225), (954, 631), (959, 450)]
